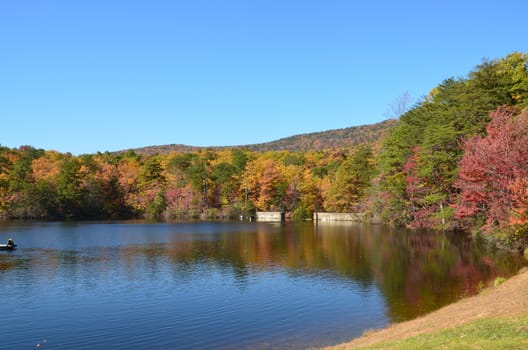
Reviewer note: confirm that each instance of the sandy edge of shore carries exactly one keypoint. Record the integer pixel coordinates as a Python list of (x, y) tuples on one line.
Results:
[(506, 300)]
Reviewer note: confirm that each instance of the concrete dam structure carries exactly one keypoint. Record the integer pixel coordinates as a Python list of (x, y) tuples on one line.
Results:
[(273, 216), (355, 217)]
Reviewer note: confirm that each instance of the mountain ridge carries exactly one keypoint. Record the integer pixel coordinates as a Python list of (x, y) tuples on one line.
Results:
[(350, 136)]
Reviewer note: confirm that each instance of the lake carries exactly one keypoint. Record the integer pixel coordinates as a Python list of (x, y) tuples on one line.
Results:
[(228, 285)]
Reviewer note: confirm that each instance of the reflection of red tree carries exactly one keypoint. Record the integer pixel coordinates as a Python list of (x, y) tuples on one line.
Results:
[(436, 268), (467, 275)]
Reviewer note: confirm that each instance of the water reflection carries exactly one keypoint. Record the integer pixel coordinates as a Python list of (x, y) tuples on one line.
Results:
[(209, 280), (416, 271)]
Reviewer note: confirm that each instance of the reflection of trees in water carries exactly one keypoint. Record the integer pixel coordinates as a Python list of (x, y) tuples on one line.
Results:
[(415, 271), (6, 263), (425, 270)]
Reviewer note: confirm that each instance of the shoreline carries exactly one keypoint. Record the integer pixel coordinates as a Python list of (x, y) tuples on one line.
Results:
[(509, 299)]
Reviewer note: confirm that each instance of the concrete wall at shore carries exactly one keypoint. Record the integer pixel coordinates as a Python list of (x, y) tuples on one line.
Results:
[(357, 217), (270, 216)]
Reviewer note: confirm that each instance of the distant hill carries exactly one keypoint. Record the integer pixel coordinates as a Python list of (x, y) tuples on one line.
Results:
[(304, 142)]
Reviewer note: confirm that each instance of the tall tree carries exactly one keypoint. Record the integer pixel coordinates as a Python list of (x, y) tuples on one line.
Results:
[(68, 188), (351, 180)]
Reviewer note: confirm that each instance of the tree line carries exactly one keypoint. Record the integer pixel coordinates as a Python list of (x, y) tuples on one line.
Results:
[(457, 158), (38, 184)]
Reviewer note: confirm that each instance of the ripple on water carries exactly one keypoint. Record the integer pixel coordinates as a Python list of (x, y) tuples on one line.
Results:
[(227, 286)]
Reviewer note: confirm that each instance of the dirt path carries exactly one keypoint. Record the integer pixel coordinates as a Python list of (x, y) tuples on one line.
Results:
[(508, 299)]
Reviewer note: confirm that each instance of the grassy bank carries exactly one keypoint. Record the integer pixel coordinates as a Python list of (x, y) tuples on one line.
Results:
[(497, 318), (487, 333)]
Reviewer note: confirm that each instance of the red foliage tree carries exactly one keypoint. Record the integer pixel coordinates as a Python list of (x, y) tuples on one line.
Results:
[(494, 169), (414, 189)]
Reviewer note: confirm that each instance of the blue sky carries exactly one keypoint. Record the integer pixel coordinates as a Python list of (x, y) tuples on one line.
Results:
[(87, 76)]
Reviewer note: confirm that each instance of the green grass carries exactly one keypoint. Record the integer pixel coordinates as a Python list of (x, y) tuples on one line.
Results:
[(498, 281), (491, 333)]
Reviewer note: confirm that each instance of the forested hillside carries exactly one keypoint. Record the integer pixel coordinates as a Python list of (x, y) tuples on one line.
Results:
[(346, 137), (299, 143), (446, 165), (458, 158)]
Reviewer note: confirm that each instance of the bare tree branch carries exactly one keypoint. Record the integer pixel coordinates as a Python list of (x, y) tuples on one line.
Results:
[(399, 106)]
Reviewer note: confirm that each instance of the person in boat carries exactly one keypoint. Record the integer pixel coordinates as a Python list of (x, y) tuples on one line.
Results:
[(10, 242)]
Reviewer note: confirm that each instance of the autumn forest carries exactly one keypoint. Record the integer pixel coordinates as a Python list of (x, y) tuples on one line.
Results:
[(458, 158)]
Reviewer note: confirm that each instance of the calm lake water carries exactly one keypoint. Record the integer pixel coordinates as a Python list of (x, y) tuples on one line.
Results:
[(226, 285)]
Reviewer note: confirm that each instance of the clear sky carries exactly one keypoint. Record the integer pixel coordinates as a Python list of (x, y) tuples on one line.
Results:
[(83, 76)]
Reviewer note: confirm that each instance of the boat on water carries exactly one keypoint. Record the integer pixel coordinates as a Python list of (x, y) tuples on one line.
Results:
[(7, 246), (10, 245)]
